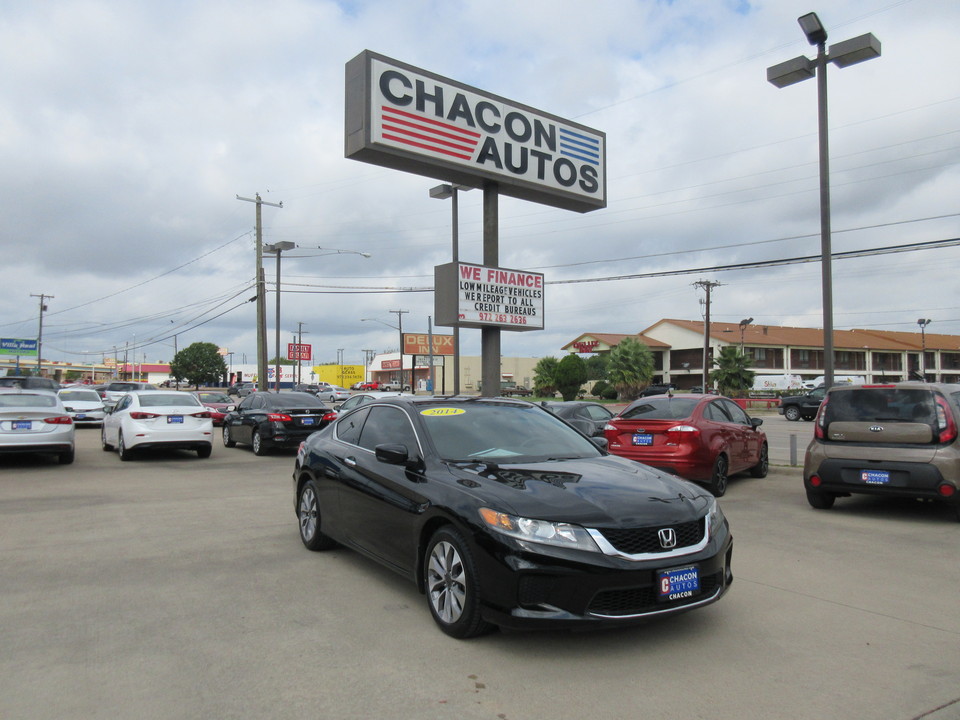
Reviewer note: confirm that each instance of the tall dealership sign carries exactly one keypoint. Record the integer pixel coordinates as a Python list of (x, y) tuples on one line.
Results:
[(405, 118)]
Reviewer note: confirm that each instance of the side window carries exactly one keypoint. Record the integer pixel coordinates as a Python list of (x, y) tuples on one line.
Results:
[(598, 413), (736, 413), (124, 402), (349, 426), (714, 412), (388, 425), (246, 403)]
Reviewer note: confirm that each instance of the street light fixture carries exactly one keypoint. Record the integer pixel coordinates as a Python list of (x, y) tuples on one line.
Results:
[(743, 326), (442, 192), (842, 54), (923, 322)]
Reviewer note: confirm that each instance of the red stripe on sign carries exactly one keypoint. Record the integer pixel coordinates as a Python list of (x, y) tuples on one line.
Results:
[(427, 138), (432, 148), (453, 128), (419, 126)]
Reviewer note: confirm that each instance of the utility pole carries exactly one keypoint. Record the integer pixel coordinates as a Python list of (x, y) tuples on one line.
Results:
[(43, 309), (261, 295), (400, 314), (706, 285), (299, 344)]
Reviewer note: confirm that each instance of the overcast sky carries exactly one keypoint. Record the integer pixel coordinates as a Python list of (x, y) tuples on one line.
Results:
[(127, 129)]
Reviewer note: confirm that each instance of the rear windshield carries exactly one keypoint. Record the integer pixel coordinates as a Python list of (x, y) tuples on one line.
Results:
[(168, 400), (75, 395), (27, 400), (660, 408), (882, 404), (294, 400)]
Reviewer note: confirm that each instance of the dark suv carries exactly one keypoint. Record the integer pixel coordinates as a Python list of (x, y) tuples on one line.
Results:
[(899, 439)]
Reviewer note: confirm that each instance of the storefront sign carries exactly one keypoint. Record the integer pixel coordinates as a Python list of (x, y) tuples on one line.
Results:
[(419, 344)]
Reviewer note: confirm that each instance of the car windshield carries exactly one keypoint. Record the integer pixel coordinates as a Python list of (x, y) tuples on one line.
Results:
[(888, 404), (85, 395), (501, 432), (294, 400), (27, 400), (215, 398), (167, 400), (660, 408)]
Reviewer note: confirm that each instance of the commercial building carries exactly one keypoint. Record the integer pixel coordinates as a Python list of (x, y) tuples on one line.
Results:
[(877, 355)]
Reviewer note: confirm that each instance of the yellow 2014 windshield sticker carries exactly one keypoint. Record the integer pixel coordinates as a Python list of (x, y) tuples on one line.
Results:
[(439, 412)]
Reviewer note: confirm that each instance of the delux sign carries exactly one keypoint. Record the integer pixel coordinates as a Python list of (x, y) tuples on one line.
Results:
[(405, 118)]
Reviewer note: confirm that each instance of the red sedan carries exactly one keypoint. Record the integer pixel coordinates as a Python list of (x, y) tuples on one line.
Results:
[(217, 403), (705, 438)]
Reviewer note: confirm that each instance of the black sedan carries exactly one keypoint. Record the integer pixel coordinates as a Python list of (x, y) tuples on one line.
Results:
[(505, 516), (588, 417), (267, 420)]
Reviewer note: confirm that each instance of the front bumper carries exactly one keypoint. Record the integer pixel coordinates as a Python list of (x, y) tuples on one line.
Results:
[(527, 591)]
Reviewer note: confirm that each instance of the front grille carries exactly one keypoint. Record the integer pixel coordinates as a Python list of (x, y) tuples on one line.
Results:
[(645, 540), (635, 601)]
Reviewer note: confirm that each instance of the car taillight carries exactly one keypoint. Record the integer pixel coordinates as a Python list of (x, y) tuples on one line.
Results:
[(204, 414), (819, 425), (683, 433), (278, 417), (59, 420), (815, 481), (946, 490), (137, 415), (329, 417), (945, 422)]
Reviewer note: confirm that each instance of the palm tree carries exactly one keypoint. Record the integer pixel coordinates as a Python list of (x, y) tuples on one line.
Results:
[(631, 368), (732, 376)]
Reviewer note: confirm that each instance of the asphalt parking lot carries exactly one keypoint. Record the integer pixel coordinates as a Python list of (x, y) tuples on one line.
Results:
[(173, 587)]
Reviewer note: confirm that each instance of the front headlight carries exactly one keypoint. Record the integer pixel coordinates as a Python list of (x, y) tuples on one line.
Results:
[(715, 515), (539, 531)]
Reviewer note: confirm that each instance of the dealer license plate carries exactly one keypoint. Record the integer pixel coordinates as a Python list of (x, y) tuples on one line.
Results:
[(307, 421), (175, 419), (81, 416), (678, 583), (875, 477), (22, 425), (642, 439)]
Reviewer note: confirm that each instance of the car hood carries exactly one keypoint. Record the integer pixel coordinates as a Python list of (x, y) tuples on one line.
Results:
[(607, 491)]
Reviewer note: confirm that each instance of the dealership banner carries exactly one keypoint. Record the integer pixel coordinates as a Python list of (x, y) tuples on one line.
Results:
[(18, 346), (468, 295)]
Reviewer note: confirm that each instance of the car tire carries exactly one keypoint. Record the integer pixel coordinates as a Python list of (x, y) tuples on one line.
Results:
[(820, 500), (719, 479), (122, 450), (107, 447), (763, 466), (65, 458), (227, 441), (204, 451), (791, 413), (451, 583), (308, 513), (256, 441)]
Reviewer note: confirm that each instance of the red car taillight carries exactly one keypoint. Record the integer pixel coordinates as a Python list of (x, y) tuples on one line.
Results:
[(59, 420), (819, 426), (278, 417), (204, 414), (945, 422), (683, 433), (329, 417), (137, 415)]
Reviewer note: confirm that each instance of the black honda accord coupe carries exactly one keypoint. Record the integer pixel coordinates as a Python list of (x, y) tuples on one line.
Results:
[(504, 515)]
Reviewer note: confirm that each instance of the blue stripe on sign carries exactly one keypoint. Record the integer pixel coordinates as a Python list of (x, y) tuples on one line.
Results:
[(581, 150), (570, 133), (579, 146)]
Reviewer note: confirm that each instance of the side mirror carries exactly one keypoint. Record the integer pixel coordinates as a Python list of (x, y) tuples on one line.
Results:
[(600, 441), (756, 422), (392, 453)]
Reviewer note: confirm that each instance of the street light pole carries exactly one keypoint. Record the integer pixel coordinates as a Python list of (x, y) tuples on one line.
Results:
[(842, 54), (400, 314), (278, 248), (923, 322)]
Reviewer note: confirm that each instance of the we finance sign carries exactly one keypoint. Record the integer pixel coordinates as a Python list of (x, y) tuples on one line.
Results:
[(467, 295), (406, 118)]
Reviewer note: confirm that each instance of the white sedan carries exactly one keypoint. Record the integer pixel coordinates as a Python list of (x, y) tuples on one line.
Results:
[(146, 419), (83, 404), (35, 421)]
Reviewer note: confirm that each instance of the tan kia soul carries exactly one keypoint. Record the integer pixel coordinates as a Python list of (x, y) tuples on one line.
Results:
[(898, 439)]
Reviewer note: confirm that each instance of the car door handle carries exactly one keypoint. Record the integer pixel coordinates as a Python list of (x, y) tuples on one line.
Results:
[(350, 461)]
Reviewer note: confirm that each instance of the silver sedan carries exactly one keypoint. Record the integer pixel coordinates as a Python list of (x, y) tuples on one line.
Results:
[(35, 421)]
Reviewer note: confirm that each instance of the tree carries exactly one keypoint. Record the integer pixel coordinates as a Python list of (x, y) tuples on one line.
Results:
[(598, 366), (199, 364), (732, 376), (631, 368), (571, 373), (545, 376)]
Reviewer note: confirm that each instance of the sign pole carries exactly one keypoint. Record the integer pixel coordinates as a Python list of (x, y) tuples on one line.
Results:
[(490, 336)]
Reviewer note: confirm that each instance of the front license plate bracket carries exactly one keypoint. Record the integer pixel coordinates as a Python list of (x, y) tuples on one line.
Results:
[(678, 583)]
